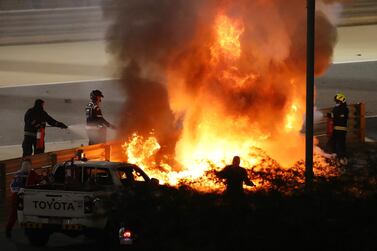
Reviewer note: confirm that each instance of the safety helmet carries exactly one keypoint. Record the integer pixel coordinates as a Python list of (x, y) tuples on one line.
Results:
[(339, 97), (95, 93)]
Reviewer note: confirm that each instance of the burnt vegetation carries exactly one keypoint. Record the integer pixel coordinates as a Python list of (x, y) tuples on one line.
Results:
[(337, 213)]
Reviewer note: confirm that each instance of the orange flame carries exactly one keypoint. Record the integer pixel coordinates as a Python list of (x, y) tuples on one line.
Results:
[(141, 152), (222, 119)]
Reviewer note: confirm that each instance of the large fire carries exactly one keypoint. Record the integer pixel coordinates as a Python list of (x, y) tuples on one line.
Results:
[(234, 87)]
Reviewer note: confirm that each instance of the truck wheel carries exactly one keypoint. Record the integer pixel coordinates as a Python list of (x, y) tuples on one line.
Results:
[(37, 238)]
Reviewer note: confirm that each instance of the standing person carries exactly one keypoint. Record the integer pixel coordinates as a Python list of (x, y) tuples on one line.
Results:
[(235, 176), (25, 176), (339, 115), (96, 124), (34, 130)]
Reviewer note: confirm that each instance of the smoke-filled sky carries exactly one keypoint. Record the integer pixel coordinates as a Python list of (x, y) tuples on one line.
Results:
[(181, 86)]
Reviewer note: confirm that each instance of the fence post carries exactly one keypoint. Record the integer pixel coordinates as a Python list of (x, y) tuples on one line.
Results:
[(362, 122), (3, 180)]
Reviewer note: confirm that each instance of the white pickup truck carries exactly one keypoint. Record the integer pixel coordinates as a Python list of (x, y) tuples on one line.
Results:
[(77, 200)]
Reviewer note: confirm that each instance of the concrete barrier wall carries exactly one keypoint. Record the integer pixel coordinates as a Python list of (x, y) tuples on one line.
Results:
[(41, 21), (52, 25)]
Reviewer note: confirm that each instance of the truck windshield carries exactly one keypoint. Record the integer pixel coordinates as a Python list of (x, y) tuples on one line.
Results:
[(98, 176), (80, 175)]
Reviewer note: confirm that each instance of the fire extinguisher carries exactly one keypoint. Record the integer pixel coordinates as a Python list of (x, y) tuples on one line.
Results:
[(40, 138)]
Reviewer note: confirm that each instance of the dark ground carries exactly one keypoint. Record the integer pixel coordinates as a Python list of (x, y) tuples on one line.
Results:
[(338, 213)]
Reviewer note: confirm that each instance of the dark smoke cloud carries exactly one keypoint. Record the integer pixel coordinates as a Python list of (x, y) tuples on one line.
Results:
[(143, 34), (149, 37), (146, 108), (149, 30)]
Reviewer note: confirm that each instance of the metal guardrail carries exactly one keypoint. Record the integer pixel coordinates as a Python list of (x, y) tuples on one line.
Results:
[(113, 151)]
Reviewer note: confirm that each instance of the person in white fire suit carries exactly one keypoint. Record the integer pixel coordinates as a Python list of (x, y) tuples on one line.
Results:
[(96, 124)]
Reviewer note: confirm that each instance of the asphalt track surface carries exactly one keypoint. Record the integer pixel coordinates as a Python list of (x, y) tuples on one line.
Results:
[(66, 102)]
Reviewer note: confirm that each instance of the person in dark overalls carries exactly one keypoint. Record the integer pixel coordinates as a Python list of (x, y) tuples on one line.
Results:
[(34, 130)]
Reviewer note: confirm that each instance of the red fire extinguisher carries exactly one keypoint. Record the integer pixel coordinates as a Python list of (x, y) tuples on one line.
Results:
[(40, 138)]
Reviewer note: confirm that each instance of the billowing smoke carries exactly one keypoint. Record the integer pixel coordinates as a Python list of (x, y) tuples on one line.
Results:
[(143, 38), (181, 86)]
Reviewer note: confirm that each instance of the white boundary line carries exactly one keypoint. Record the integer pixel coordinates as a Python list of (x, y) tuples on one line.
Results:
[(355, 61), (57, 83)]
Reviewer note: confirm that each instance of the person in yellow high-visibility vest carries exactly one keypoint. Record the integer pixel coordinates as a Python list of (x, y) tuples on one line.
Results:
[(339, 115)]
